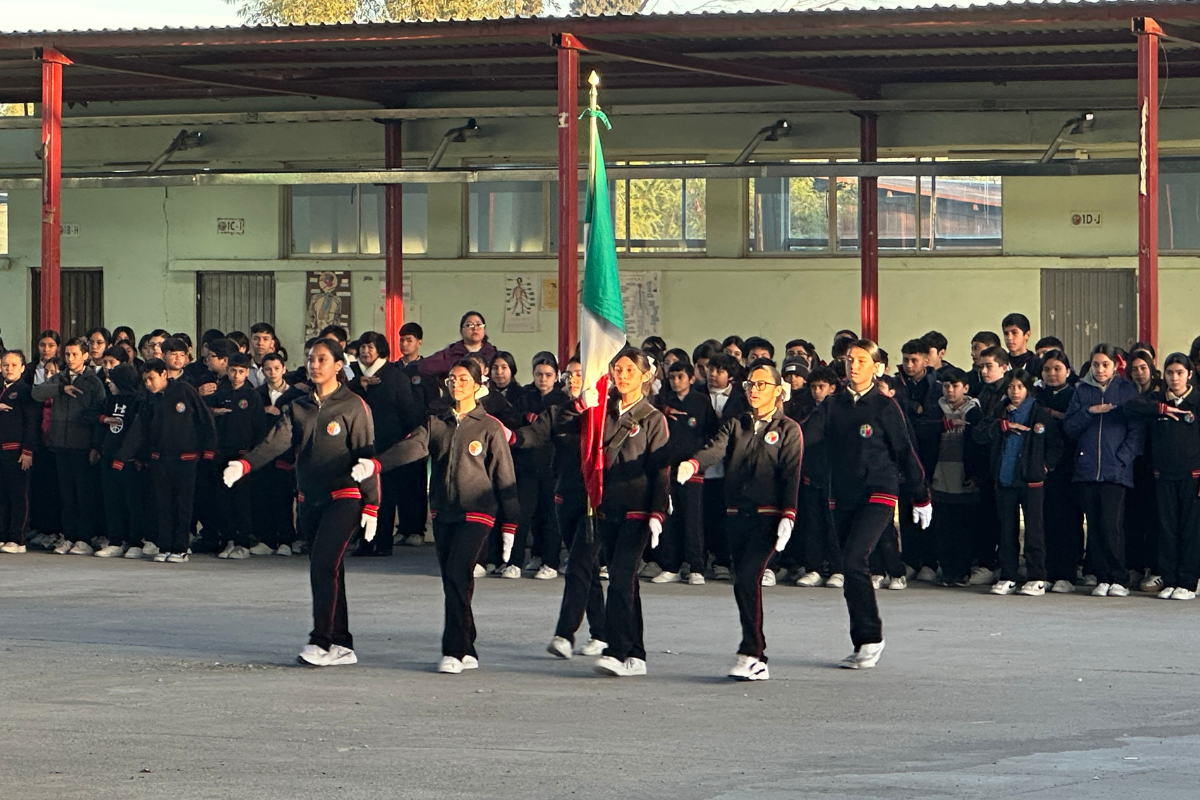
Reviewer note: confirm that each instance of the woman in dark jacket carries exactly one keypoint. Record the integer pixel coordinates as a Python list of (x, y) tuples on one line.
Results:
[(502, 377), (474, 340), (1062, 513), (1108, 444), (388, 391), (1024, 444), (1141, 516)]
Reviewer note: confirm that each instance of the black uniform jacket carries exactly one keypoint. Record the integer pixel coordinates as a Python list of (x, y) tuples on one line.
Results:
[(762, 467)]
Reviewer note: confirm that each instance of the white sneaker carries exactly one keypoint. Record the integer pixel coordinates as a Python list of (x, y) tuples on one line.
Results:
[(768, 578), (981, 576), (594, 647), (261, 549), (545, 573), (607, 665), (898, 583), (927, 575), (62, 546), (298, 546), (341, 656), (877, 581), (238, 553), (1101, 590), (480, 571), (836, 581), (559, 647), (666, 577), (695, 579), (1063, 587), (313, 656), (470, 662), (1003, 587), (510, 571), (533, 564), (283, 550), (149, 549), (161, 557), (1181, 593), (748, 668), (134, 552), (12, 548), (449, 665), (229, 547), (1153, 584), (721, 573), (650, 570), (603, 573), (111, 551), (81, 548), (1033, 589), (1166, 593), (413, 540), (1117, 590), (864, 657), (810, 579)]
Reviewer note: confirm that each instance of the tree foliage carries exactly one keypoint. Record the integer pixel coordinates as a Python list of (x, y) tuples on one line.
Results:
[(300, 12), (596, 7)]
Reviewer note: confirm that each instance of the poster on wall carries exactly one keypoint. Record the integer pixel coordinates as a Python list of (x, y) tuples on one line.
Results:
[(639, 296), (549, 294), (327, 301), (521, 303)]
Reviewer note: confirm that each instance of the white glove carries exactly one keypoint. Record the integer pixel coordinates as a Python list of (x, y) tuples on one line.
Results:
[(234, 472), (783, 533), (687, 471), (369, 523), (506, 546), (591, 397), (655, 532), (923, 515), (364, 469)]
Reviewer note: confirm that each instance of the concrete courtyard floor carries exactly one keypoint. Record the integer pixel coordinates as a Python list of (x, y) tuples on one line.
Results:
[(132, 679)]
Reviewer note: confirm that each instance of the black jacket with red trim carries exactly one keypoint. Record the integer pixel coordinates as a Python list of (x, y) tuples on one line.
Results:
[(472, 475), (529, 408), (328, 436), (174, 424), (762, 463), (1041, 446), (20, 426), (1174, 444), (691, 422), (241, 423), (391, 402), (868, 448), (637, 472), (110, 437), (548, 429)]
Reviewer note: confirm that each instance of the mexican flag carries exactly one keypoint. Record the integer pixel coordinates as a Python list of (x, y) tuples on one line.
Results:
[(601, 319)]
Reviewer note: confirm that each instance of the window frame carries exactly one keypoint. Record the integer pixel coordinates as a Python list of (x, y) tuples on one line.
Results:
[(288, 228)]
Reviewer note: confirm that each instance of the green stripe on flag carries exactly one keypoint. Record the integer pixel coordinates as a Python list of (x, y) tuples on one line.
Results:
[(601, 280)]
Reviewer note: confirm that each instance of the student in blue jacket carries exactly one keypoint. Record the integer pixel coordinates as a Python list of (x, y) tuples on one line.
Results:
[(1108, 444)]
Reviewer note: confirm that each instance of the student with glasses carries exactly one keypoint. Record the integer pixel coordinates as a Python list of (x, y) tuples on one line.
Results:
[(761, 451), (473, 330)]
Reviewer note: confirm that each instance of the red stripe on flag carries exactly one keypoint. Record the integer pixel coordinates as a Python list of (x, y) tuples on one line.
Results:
[(592, 445)]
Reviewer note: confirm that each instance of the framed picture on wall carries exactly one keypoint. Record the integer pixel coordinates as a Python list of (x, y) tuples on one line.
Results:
[(327, 301)]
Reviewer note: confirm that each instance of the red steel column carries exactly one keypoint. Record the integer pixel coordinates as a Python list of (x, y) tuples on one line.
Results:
[(52, 64), (568, 202), (1148, 33), (868, 228), (393, 279)]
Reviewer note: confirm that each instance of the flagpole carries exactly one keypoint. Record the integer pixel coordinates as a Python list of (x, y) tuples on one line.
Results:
[(593, 105)]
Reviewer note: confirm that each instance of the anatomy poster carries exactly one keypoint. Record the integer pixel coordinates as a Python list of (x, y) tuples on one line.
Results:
[(327, 301), (639, 296), (521, 303)]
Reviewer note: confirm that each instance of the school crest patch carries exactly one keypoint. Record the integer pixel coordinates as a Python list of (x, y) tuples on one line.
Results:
[(243, 405), (475, 448), (691, 422), (634, 430), (866, 431), (416, 379), (772, 437), (1039, 428), (333, 428), (12, 396), (1189, 418), (180, 408)]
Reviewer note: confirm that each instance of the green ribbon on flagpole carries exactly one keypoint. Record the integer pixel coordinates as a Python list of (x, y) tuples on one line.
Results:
[(598, 114)]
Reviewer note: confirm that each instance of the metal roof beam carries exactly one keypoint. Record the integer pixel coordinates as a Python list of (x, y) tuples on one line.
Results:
[(137, 66), (665, 58)]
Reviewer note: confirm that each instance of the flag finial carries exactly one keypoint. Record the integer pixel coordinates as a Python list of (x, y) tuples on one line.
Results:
[(593, 79)]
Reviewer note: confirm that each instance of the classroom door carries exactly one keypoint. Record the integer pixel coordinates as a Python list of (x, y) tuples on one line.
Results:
[(233, 301), (81, 301), (1085, 307)]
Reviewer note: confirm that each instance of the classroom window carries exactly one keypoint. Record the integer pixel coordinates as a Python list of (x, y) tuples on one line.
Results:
[(1179, 211), (507, 217), (3, 223), (349, 220), (660, 215), (915, 214)]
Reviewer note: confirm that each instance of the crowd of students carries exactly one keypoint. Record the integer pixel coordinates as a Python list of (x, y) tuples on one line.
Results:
[(731, 461)]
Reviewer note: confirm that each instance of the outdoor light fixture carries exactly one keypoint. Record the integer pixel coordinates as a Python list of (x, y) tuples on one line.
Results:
[(459, 135), (1073, 127), (184, 140), (771, 133)]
